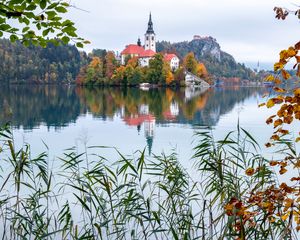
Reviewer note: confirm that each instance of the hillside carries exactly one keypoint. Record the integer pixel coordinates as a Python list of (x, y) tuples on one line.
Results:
[(53, 64), (208, 51)]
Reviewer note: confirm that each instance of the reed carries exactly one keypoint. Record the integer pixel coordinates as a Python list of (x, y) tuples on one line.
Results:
[(90, 197)]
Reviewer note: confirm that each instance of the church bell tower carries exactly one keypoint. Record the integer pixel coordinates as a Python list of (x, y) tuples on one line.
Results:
[(150, 41)]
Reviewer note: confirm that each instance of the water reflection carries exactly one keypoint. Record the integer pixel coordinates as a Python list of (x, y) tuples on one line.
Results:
[(58, 106)]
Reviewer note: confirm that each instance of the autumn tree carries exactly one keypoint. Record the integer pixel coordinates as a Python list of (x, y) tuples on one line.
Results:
[(119, 75), (168, 73), (277, 203), (91, 74), (201, 70), (110, 64), (134, 62), (190, 63)]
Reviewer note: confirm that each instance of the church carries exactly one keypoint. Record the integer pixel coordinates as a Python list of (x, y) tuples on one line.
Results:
[(146, 52)]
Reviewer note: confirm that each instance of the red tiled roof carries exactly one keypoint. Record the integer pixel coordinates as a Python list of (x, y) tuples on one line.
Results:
[(138, 120), (168, 56), (169, 116), (147, 53), (133, 49)]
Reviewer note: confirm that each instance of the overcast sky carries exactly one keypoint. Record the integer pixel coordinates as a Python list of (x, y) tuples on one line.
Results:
[(247, 30)]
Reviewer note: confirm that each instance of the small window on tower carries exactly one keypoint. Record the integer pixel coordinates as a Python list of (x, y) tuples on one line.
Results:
[(152, 38), (147, 38)]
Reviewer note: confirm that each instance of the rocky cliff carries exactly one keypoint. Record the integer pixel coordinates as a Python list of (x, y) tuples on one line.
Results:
[(208, 51)]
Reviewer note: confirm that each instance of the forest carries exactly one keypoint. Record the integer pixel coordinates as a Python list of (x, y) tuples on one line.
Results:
[(60, 64), (35, 64)]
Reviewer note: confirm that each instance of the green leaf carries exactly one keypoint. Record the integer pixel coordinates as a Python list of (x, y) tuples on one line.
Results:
[(25, 29), (65, 39), (65, 4), (46, 32), (43, 4), (53, 5), (4, 27), (31, 7), (13, 38), (51, 14), (86, 42), (61, 9), (26, 21), (79, 45), (66, 22), (26, 43)]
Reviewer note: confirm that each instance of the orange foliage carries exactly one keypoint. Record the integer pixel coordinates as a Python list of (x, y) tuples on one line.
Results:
[(95, 62), (169, 77), (133, 62), (201, 70)]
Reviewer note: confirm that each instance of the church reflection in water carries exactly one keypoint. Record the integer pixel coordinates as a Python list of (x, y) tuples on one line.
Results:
[(57, 106)]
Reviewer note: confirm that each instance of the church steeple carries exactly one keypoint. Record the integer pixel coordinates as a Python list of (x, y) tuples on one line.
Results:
[(150, 41), (150, 25), (139, 43)]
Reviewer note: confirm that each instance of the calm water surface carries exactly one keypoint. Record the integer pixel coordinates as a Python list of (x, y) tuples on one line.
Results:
[(128, 119)]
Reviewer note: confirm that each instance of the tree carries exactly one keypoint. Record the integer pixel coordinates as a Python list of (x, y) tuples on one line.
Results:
[(179, 75), (39, 22), (133, 62), (201, 71), (119, 75), (168, 73), (110, 64), (190, 63), (156, 70), (280, 200)]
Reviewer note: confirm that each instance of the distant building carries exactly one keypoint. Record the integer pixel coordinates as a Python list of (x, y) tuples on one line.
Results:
[(145, 57), (197, 37), (173, 60), (131, 51), (146, 52)]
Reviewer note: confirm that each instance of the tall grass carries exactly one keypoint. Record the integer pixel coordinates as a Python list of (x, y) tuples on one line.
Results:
[(90, 197)]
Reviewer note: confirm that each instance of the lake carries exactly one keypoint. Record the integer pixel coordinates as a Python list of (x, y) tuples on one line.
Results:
[(129, 119), (54, 119)]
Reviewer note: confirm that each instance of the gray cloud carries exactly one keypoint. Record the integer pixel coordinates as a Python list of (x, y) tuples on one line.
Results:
[(245, 29)]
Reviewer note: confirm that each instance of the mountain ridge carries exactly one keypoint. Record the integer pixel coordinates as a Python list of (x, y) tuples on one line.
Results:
[(208, 51)]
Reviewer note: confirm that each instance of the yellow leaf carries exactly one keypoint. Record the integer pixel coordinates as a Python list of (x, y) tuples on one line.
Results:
[(285, 216), (291, 52), (261, 104), (269, 78), (277, 123), (277, 81), (250, 171), (275, 137), (285, 74), (278, 66), (283, 54), (280, 90), (270, 103), (297, 92), (282, 170)]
